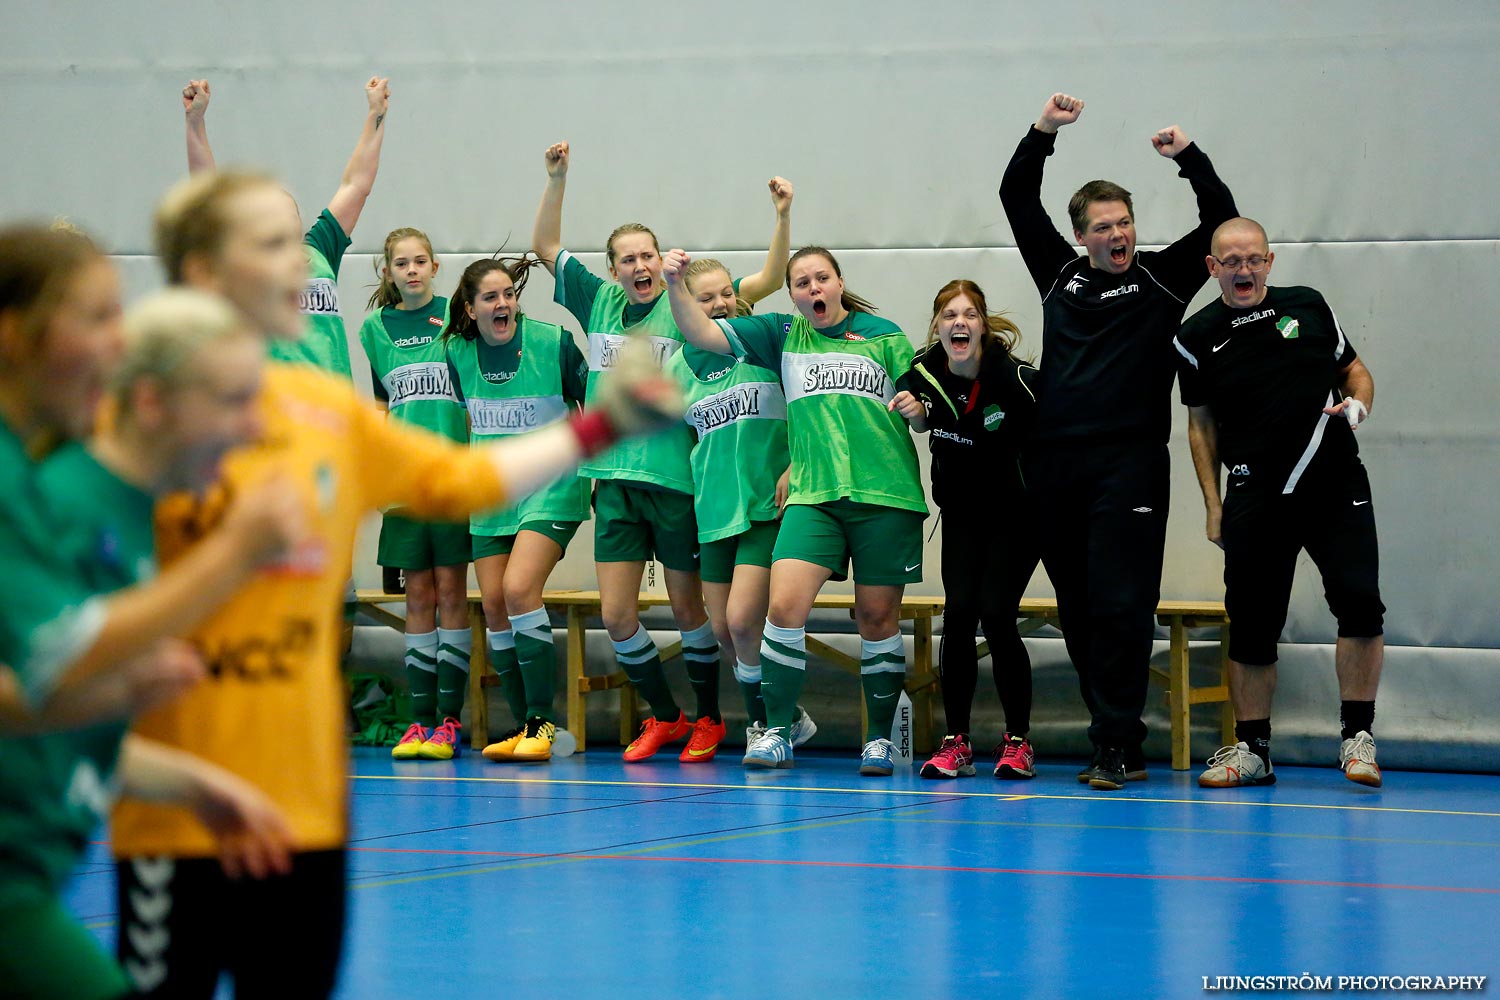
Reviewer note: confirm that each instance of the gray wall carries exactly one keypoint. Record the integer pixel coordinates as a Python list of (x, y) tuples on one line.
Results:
[(1364, 135)]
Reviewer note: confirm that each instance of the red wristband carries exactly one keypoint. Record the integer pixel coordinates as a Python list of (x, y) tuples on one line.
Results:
[(594, 432)]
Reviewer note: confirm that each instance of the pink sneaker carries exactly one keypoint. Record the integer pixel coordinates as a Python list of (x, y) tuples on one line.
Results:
[(953, 759), (1014, 758), (443, 744), (416, 734)]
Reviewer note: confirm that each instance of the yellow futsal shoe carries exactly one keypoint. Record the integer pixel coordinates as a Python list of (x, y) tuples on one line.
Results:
[(443, 744), (416, 734), (536, 745), (504, 749)]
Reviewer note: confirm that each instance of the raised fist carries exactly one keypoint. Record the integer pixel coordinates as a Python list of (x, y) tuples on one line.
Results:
[(781, 194), (556, 158), (378, 93), (1060, 110), (674, 264), (1170, 141), (195, 98)]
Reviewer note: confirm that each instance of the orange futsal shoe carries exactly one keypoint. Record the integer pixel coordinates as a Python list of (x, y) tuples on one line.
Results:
[(704, 742), (656, 734)]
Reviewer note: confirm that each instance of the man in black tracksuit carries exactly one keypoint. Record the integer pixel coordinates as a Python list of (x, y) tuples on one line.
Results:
[(1098, 465)]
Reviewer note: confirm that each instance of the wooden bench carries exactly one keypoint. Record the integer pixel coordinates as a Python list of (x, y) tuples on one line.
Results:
[(583, 605), (1178, 617), (580, 607)]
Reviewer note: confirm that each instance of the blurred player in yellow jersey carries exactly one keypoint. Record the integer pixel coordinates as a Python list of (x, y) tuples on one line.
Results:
[(271, 710)]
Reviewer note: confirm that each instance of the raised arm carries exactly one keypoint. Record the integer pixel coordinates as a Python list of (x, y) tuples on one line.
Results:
[(359, 173), (1180, 266), (1358, 390), (1203, 441), (769, 278), (699, 330), (195, 110), (1044, 250), (546, 233)]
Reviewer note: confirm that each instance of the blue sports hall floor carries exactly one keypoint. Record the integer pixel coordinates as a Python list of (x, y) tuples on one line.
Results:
[(588, 877)]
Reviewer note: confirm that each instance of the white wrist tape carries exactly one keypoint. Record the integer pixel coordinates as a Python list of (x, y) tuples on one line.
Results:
[(1355, 411)]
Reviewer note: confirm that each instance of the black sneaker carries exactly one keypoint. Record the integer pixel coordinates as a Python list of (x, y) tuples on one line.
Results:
[(1087, 774), (1108, 773), (1135, 766)]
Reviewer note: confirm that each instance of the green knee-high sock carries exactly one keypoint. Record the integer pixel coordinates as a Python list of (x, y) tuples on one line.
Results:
[(508, 669), (641, 661), (421, 675), (783, 666), (882, 673), (748, 675), (700, 651), (455, 645), (538, 661)]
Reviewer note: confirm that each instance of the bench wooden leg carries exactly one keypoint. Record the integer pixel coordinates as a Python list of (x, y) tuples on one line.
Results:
[(479, 702), (1226, 710), (921, 655), (1179, 701), (577, 654), (629, 710)]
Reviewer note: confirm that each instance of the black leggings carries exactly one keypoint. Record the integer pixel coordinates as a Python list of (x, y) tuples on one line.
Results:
[(985, 572), (182, 923)]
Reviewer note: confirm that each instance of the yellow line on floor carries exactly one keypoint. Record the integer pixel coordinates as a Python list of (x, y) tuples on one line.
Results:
[(935, 793)]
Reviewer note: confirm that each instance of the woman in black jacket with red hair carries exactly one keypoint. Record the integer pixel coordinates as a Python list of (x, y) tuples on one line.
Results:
[(973, 397)]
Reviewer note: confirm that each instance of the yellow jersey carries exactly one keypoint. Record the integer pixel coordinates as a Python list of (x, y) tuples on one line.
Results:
[(272, 708)]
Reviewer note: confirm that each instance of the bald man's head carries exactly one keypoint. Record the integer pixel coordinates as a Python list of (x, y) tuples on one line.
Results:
[(1240, 226), (1240, 261)]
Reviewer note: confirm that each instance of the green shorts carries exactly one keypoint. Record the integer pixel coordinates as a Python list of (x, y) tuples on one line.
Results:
[(751, 547), (885, 543), (44, 952), (561, 532), (408, 544), (632, 524)]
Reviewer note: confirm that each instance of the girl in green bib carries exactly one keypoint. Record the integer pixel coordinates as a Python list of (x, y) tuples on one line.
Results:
[(643, 499), (84, 610), (516, 374), (402, 338), (741, 468), (855, 494)]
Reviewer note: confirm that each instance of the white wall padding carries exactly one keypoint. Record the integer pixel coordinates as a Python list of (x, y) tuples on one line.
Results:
[(1363, 134)]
